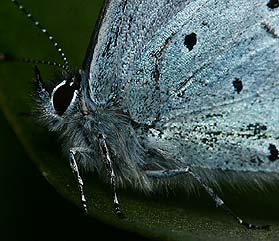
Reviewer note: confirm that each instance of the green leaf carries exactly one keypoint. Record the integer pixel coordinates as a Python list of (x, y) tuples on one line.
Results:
[(172, 217)]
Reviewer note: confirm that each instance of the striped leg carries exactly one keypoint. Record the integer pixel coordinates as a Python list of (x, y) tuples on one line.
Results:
[(109, 166), (218, 201), (75, 171)]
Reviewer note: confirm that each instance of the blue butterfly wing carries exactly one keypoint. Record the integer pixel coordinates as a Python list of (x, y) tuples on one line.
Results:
[(204, 73), (218, 102), (125, 26)]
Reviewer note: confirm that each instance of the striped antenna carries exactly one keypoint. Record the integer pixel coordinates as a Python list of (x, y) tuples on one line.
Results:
[(49, 36), (5, 57)]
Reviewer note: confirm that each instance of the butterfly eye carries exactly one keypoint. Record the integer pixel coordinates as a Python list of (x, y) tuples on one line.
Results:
[(63, 95)]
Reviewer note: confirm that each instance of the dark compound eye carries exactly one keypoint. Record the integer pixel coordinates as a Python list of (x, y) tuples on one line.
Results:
[(62, 97), (63, 94)]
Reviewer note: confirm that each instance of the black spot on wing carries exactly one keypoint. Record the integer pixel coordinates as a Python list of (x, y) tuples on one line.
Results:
[(190, 41), (273, 4), (256, 161), (257, 128), (238, 86), (253, 130), (274, 153), (204, 23), (213, 115)]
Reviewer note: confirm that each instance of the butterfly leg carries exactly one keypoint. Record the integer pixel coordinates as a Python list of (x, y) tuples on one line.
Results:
[(218, 201), (109, 166), (76, 172)]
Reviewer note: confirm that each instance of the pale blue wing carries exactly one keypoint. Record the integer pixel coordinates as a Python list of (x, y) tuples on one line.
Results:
[(218, 104), (126, 26), (215, 101)]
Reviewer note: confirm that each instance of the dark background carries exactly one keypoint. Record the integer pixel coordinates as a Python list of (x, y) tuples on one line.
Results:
[(30, 208)]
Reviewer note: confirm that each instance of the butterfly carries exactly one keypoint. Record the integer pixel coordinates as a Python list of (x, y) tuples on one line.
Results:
[(171, 88)]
